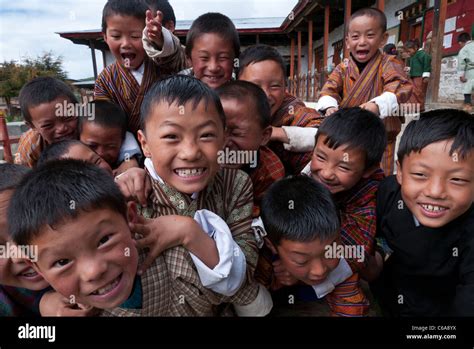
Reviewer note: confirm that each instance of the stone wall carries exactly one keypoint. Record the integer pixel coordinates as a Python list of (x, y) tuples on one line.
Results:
[(450, 87)]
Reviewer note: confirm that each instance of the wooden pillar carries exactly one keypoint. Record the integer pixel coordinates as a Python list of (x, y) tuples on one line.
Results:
[(292, 58), (326, 38), (94, 62), (104, 60), (310, 46), (437, 50), (299, 53), (347, 18), (381, 5), (5, 139)]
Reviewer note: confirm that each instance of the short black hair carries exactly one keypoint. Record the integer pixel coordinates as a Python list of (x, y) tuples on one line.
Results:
[(357, 128), (371, 12), (165, 7), (247, 92), (412, 44), (41, 90), (108, 115), (259, 53), (213, 23), (435, 126), (10, 176), (179, 89), (389, 49), (464, 37), (57, 150), (299, 209), (133, 8), (59, 191)]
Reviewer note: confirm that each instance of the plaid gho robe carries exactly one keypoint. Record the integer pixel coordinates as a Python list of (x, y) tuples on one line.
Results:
[(293, 112), (30, 146)]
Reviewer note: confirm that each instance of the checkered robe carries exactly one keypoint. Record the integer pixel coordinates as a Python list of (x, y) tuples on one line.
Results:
[(229, 195), (118, 85), (383, 73), (348, 299), (30, 146), (268, 171), (293, 112)]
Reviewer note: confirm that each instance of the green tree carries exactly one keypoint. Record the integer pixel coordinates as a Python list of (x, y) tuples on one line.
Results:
[(14, 75)]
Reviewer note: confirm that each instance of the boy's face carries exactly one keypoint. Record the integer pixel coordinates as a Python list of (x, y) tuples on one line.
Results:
[(15, 271), (269, 76), (338, 169), (243, 131), (91, 259), (105, 141), (49, 125), (364, 38), (83, 152), (183, 144), (306, 261), (124, 37), (411, 51), (436, 187), (212, 59)]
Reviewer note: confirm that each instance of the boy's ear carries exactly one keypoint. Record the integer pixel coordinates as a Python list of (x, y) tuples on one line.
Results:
[(132, 214), (370, 171), (346, 39), (270, 245), (144, 143), (399, 173), (384, 40), (266, 134), (29, 124)]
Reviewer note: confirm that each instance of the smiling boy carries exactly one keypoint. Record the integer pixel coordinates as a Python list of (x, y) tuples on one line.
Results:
[(426, 216)]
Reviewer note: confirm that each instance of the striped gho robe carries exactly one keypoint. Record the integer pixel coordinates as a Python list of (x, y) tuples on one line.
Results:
[(118, 85), (293, 112), (383, 73)]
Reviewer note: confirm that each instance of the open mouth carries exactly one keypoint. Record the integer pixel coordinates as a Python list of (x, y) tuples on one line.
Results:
[(28, 273), (190, 172), (214, 78), (363, 52), (128, 57), (433, 211), (107, 288)]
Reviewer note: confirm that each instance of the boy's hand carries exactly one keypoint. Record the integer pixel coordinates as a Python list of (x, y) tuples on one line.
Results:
[(393, 126), (154, 28), (135, 185), (374, 267), (331, 110), (279, 135), (55, 304), (125, 165), (282, 276), (371, 106)]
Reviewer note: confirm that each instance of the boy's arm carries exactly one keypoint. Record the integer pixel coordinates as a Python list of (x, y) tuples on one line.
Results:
[(426, 65), (331, 93), (298, 139), (102, 90), (397, 89), (29, 149)]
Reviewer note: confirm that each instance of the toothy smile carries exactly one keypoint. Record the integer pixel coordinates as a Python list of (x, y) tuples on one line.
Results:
[(107, 288), (189, 172), (433, 208)]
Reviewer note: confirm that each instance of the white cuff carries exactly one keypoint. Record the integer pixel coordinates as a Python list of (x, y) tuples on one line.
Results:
[(342, 272), (426, 74), (129, 148), (229, 274), (387, 103), (307, 169), (301, 139), (325, 102), (168, 44), (261, 306)]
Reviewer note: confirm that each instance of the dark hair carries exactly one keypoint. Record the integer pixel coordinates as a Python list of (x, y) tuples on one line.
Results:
[(390, 49), (371, 12), (43, 90), (259, 53), (179, 89), (10, 176), (412, 44), (106, 114), (165, 7), (57, 150), (357, 128), (214, 23), (59, 191), (435, 126), (247, 92), (464, 37), (133, 8), (299, 209)]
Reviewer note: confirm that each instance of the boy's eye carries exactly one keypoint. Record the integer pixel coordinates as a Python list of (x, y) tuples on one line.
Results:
[(61, 263), (208, 135), (300, 263), (344, 168), (319, 157), (459, 180), (104, 239), (171, 137), (418, 174), (45, 127)]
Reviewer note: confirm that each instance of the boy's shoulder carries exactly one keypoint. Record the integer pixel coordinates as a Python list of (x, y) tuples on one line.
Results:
[(363, 193)]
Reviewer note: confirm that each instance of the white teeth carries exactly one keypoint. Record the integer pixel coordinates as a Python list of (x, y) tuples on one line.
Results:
[(189, 172), (107, 288), (433, 208)]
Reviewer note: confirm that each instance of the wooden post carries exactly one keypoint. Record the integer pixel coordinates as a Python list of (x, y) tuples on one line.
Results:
[(381, 5), (299, 53), (257, 39), (437, 50), (292, 58), (347, 18), (5, 139), (94, 62), (310, 46), (326, 39)]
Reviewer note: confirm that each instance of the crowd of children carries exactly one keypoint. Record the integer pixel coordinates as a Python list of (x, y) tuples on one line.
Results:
[(201, 187)]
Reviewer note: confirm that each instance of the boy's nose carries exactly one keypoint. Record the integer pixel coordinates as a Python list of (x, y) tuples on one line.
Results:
[(190, 151), (326, 174), (92, 269), (435, 189), (318, 270), (213, 65)]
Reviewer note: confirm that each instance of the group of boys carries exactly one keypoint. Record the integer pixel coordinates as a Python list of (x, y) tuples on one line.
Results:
[(144, 208)]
